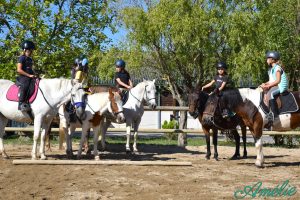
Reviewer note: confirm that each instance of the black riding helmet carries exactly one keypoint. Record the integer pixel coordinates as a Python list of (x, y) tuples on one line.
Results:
[(28, 45), (273, 54), (120, 64), (221, 65)]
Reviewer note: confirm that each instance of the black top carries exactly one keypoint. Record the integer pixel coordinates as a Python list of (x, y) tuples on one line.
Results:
[(26, 64), (219, 80), (123, 76)]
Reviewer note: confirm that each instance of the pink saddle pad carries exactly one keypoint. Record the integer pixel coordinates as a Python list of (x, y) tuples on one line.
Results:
[(12, 93)]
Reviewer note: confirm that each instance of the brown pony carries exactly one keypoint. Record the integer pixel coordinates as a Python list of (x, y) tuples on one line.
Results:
[(203, 107)]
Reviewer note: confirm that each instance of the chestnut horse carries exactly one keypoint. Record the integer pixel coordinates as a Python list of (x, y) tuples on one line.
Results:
[(200, 107)]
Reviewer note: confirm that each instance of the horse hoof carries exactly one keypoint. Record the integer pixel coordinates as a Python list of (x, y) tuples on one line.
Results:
[(128, 151), (97, 158), (259, 164), (207, 158), (216, 159), (43, 158), (245, 157), (235, 157)]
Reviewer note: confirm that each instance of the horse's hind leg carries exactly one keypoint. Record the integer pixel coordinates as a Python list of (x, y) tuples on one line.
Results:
[(244, 137), (3, 123), (237, 145), (45, 129)]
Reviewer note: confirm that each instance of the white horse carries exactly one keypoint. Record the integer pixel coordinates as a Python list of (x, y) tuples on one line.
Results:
[(133, 111), (51, 94), (96, 105)]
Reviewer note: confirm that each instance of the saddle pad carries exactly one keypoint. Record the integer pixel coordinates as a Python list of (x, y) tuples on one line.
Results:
[(288, 104), (13, 91)]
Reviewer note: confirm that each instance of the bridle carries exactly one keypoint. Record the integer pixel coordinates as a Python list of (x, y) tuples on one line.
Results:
[(145, 92)]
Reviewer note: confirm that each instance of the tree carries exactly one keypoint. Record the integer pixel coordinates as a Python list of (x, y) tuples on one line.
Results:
[(61, 30), (186, 38)]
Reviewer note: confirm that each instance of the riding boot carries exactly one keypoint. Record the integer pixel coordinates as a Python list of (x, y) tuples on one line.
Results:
[(23, 106), (274, 108)]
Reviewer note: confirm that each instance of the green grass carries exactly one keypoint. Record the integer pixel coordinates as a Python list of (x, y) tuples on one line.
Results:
[(17, 140)]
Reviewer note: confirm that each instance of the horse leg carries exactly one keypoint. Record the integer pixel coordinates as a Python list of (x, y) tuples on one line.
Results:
[(96, 135), (85, 127), (86, 142), (257, 134), (3, 123), (36, 133), (47, 140), (215, 142), (45, 128), (244, 137), (237, 139), (103, 130), (207, 137), (128, 135), (68, 135), (135, 128)]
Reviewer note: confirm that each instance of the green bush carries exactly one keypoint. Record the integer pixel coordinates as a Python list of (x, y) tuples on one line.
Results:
[(170, 125)]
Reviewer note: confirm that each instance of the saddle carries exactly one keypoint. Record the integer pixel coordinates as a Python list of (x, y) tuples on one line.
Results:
[(13, 91), (286, 102)]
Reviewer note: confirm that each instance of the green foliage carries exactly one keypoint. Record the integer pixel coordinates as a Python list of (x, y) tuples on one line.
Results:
[(173, 124), (61, 30), (186, 38)]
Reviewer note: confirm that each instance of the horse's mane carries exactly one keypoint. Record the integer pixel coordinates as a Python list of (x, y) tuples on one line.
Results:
[(231, 98)]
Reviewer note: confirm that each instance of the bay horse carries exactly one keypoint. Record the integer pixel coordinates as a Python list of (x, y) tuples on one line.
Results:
[(96, 105), (200, 107), (50, 95), (143, 92)]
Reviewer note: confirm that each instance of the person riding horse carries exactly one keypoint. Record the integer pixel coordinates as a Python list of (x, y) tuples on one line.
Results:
[(81, 69), (220, 80), (122, 78), (278, 78), (26, 74)]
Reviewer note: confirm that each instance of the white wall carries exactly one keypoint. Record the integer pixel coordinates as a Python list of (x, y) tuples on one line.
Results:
[(150, 120)]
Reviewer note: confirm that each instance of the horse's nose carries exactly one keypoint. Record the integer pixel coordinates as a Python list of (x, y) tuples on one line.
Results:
[(153, 106), (121, 118), (80, 113), (207, 121)]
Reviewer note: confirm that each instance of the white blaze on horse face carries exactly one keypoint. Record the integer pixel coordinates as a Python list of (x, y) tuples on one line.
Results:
[(150, 92), (120, 115)]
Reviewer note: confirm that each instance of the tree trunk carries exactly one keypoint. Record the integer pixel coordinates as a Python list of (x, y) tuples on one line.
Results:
[(182, 137)]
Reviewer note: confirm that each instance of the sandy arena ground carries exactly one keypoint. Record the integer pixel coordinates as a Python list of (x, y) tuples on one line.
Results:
[(204, 180)]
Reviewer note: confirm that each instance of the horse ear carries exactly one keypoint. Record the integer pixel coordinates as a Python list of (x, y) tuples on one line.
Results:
[(153, 80)]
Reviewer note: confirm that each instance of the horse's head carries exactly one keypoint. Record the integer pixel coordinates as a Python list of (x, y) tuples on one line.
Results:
[(78, 98), (211, 109), (197, 101), (150, 91), (116, 106)]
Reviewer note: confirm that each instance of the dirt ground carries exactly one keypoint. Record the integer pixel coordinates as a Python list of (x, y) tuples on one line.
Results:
[(204, 180)]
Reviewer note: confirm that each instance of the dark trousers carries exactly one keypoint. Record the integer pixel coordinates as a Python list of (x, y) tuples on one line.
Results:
[(24, 83)]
